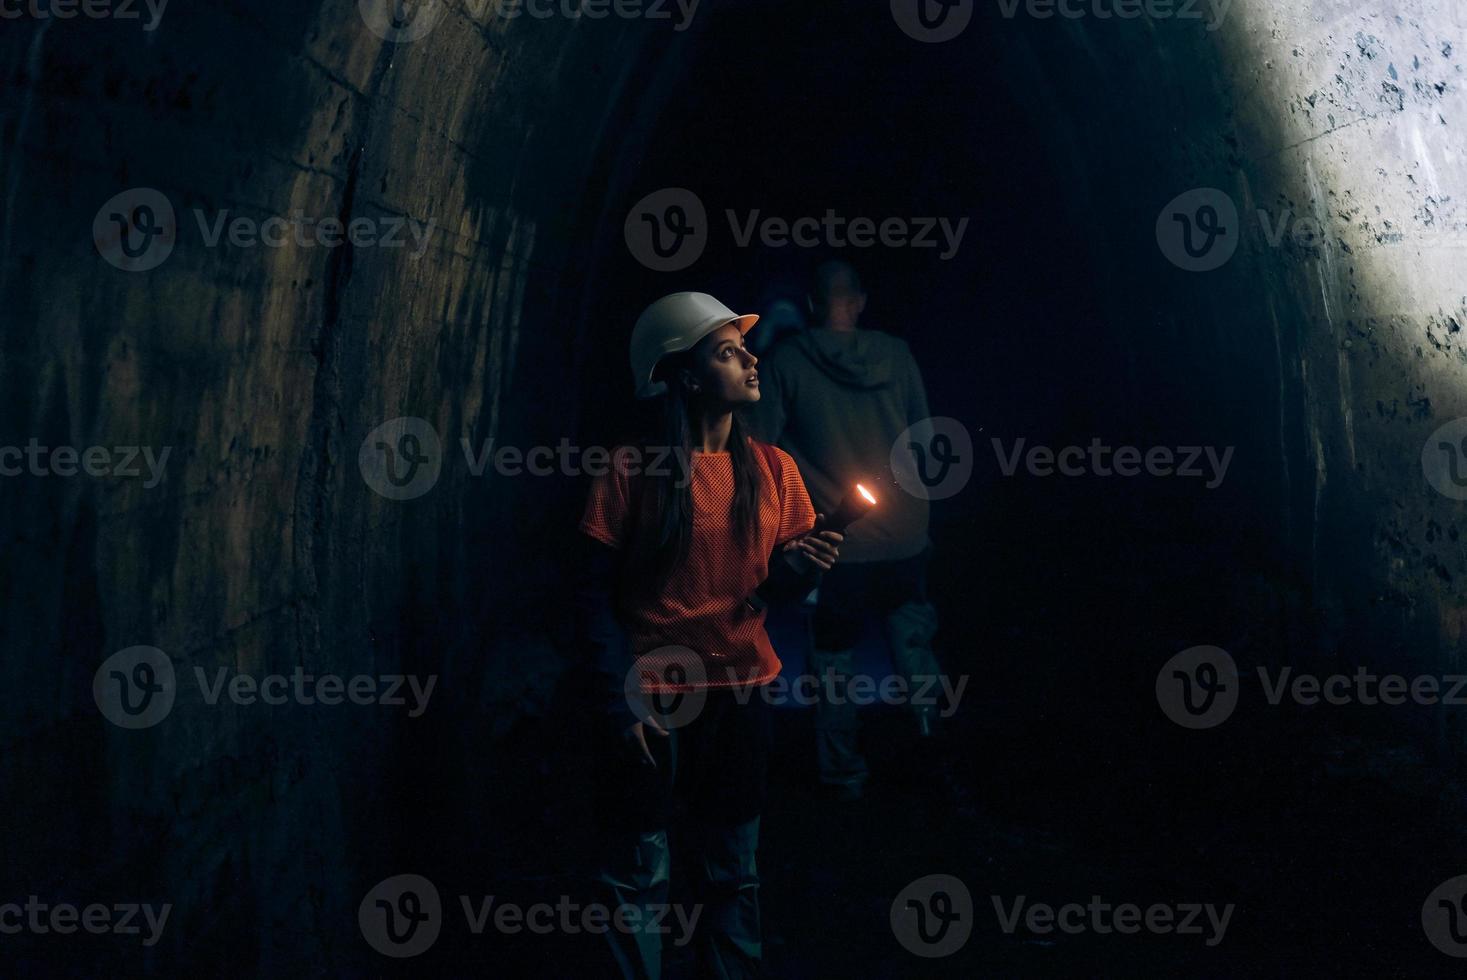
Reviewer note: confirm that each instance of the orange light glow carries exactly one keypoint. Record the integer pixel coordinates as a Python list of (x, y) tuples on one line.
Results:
[(867, 494)]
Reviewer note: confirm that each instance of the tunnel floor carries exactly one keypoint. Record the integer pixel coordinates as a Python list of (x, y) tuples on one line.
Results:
[(1324, 837)]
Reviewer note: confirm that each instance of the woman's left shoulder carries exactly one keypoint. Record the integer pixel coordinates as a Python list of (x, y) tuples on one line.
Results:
[(768, 449), (779, 461)]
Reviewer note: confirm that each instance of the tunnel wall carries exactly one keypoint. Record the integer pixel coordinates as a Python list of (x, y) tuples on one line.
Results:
[(1326, 355), (264, 369), (1372, 149)]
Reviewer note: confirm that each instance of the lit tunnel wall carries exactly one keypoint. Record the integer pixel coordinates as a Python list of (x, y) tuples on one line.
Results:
[(1330, 338), (1331, 360)]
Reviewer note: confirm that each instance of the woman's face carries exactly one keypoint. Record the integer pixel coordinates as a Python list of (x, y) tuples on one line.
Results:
[(724, 368)]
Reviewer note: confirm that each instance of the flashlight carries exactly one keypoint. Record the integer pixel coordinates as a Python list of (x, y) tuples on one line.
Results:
[(855, 505)]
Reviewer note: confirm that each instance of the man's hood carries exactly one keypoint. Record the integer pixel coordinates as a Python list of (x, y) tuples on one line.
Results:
[(855, 358)]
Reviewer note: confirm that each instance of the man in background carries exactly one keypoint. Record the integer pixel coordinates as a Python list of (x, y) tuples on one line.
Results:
[(836, 398)]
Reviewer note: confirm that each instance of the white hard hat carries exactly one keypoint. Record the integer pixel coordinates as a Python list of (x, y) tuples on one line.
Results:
[(673, 324)]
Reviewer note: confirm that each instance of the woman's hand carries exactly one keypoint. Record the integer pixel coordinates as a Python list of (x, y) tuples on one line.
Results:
[(635, 738), (814, 552)]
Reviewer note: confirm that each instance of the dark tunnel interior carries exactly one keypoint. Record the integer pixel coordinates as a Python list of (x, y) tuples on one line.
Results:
[(1312, 380)]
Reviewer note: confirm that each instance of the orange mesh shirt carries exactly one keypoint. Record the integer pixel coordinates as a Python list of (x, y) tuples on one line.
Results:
[(702, 607)]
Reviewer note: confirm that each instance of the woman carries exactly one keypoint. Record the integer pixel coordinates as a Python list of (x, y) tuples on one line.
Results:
[(679, 552)]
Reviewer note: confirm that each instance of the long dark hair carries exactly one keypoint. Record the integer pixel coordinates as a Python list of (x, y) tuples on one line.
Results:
[(663, 528)]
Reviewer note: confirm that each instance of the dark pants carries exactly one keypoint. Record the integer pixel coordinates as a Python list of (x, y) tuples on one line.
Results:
[(851, 590), (718, 764), (896, 591)]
